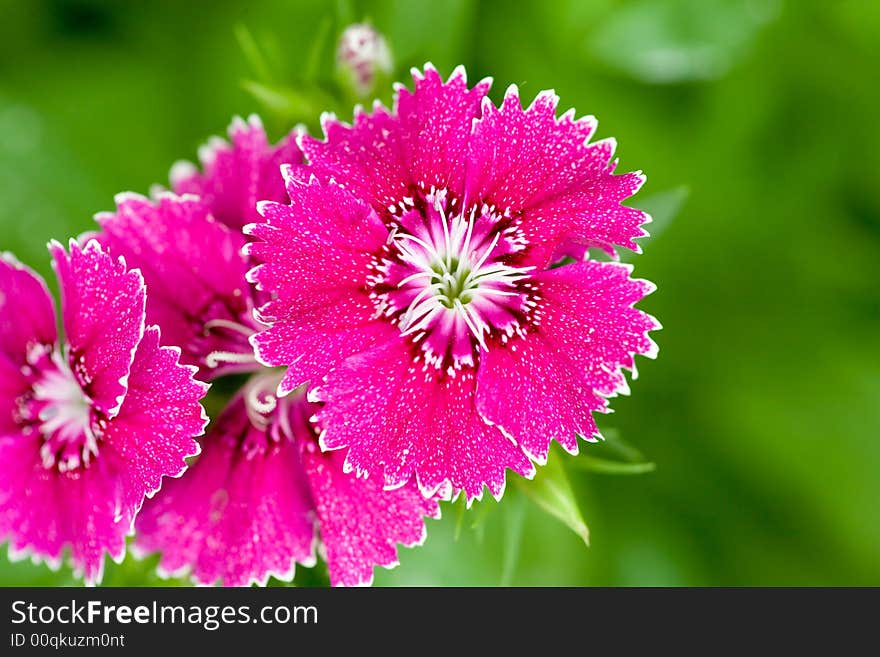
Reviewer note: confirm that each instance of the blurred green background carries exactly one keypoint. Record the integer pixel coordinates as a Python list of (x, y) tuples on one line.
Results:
[(762, 413)]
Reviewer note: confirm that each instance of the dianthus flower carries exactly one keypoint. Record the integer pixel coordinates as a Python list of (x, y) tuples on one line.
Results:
[(237, 173), (411, 286), (89, 425), (262, 496)]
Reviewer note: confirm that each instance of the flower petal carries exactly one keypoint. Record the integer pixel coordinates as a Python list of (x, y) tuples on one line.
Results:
[(423, 142), (156, 427), (238, 173), (400, 419), (27, 320), (232, 517), (542, 167), (544, 386), (437, 120), (537, 394), (360, 522), (193, 268), (103, 315), (317, 254), (44, 512), (27, 314), (89, 509)]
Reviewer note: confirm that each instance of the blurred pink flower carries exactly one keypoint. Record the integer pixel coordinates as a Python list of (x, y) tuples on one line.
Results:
[(263, 496), (237, 173)]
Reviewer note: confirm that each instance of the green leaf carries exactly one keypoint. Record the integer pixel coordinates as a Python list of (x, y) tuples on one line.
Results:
[(606, 466), (317, 51), (478, 515), (674, 41), (514, 522), (627, 460), (663, 208), (292, 106), (552, 491), (252, 53), (461, 509), (615, 444)]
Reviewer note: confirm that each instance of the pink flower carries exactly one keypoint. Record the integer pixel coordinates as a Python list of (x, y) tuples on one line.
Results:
[(195, 272), (238, 173), (411, 287), (188, 245), (250, 506), (88, 426)]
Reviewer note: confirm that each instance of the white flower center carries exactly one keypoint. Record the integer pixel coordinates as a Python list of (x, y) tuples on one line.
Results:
[(447, 279), (64, 418)]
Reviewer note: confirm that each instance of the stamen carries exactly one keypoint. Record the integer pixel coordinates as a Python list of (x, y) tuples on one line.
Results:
[(477, 333), (217, 358), (63, 415), (459, 259), (211, 324)]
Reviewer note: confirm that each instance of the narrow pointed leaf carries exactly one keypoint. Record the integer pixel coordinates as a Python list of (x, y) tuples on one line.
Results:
[(514, 522), (317, 51), (552, 491), (663, 207), (606, 466), (252, 53)]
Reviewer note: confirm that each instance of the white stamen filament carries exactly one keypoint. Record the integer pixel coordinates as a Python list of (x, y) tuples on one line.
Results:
[(65, 419), (217, 358), (230, 325), (451, 275)]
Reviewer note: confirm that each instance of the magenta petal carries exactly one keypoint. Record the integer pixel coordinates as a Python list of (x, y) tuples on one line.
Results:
[(193, 268), (324, 240), (158, 423), (317, 271), (424, 142), (367, 157), (437, 121), (13, 384), (239, 173), (360, 522), (589, 315), (27, 321), (43, 512), (536, 394), (542, 167), (231, 517), (600, 219), (103, 315), (89, 507), (27, 314), (400, 420), (317, 340), (547, 388)]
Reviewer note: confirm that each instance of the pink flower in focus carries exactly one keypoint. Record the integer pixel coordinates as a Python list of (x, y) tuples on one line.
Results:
[(410, 285), (88, 426), (251, 505)]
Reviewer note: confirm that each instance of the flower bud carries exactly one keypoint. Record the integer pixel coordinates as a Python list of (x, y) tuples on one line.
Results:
[(362, 56)]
